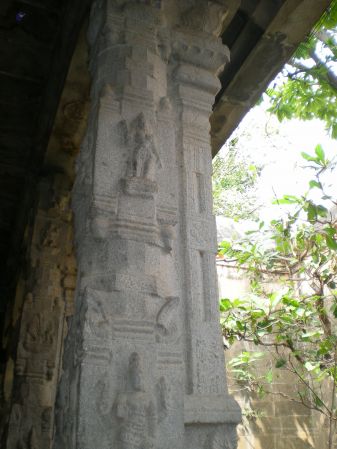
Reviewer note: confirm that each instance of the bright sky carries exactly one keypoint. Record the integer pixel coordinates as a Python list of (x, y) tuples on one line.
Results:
[(278, 146)]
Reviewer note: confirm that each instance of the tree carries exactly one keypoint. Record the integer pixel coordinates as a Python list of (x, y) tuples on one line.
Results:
[(234, 181), (298, 318), (307, 86)]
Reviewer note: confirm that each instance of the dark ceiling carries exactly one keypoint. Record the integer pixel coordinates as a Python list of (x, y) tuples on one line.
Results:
[(37, 38)]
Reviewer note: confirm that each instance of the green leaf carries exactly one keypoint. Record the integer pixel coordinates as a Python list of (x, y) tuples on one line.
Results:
[(288, 199), (280, 363), (331, 242), (330, 231), (269, 376), (320, 153), (309, 158), (225, 304), (322, 211), (318, 401), (313, 184), (311, 212)]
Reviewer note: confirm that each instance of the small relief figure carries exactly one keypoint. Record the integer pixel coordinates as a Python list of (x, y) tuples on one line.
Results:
[(46, 419), (145, 159), (137, 411), (39, 337)]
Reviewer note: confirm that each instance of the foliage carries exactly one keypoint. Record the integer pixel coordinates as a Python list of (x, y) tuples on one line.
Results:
[(234, 180), (292, 304), (307, 86)]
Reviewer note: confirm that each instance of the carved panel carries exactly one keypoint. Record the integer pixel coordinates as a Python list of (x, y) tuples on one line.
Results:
[(208, 378), (137, 411), (144, 161)]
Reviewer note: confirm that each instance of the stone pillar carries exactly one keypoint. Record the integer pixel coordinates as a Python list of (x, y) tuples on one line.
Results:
[(46, 305), (143, 364)]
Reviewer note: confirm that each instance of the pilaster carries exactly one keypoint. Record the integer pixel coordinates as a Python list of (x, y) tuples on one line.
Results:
[(197, 56)]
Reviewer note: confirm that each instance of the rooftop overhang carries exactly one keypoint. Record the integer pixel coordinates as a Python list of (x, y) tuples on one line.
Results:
[(261, 36)]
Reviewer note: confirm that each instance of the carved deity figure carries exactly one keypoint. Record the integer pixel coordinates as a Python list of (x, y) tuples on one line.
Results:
[(145, 159), (39, 334), (137, 411)]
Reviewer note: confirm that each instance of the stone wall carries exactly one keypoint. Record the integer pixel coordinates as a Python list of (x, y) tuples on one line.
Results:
[(271, 422)]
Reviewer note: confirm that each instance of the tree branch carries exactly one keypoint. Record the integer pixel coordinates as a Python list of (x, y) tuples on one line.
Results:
[(330, 75)]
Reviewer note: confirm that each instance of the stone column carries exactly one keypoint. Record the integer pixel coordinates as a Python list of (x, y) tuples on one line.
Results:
[(143, 363), (46, 304)]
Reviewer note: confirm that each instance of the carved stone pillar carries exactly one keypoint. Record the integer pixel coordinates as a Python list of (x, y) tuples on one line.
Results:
[(47, 302), (143, 364)]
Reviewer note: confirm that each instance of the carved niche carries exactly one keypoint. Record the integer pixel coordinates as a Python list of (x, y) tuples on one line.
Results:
[(144, 159), (138, 410)]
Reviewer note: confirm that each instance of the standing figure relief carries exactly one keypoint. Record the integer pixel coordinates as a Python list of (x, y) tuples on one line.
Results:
[(39, 334), (145, 158), (137, 410)]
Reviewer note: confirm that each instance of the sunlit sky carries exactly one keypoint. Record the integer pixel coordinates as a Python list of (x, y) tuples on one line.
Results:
[(278, 146)]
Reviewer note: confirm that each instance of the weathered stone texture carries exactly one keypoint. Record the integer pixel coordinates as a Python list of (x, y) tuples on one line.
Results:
[(143, 364)]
